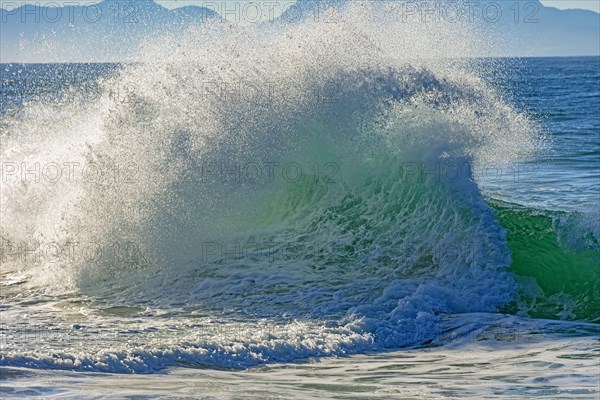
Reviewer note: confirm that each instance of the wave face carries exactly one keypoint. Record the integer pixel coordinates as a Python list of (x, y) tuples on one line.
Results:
[(555, 257), (313, 172)]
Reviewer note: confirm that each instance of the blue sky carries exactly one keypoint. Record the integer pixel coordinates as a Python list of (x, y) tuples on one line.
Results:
[(562, 4)]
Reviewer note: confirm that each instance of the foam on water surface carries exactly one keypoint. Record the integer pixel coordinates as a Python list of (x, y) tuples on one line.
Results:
[(272, 193)]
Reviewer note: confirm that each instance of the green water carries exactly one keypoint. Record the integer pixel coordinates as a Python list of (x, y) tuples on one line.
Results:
[(556, 262)]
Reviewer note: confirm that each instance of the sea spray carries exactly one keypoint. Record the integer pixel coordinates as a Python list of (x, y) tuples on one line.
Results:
[(373, 228)]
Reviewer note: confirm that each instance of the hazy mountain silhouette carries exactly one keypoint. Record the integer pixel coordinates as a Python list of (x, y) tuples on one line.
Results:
[(531, 29), (546, 31), (113, 30), (108, 31)]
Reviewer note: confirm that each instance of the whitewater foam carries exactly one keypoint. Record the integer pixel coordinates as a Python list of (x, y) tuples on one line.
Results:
[(382, 230)]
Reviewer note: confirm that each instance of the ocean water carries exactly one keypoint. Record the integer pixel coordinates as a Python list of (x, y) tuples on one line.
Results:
[(311, 211)]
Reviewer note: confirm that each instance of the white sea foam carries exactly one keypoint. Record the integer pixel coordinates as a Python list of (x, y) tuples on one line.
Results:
[(382, 230)]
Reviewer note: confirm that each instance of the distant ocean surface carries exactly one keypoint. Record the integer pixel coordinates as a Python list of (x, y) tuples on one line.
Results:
[(419, 230)]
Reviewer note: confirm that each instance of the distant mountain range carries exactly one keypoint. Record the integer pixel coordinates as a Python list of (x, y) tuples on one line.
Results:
[(516, 27), (546, 31), (112, 30)]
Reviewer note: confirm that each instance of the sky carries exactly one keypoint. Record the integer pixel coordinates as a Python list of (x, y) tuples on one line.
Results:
[(562, 4), (593, 5)]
